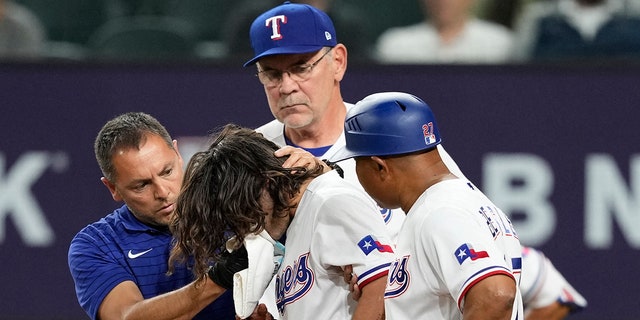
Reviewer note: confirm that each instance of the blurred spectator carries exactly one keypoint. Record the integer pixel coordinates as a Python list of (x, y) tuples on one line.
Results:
[(500, 11), (450, 33), (350, 22), (578, 29), (22, 35), (235, 33)]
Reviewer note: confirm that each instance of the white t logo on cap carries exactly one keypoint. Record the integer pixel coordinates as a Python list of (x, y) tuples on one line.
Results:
[(275, 25), (327, 35)]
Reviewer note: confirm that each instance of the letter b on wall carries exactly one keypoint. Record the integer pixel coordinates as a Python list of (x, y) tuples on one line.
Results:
[(521, 184)]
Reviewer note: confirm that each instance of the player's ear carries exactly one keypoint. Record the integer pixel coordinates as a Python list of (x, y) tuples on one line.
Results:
[(339, 55), (175, 147), (382, 166), (112, 189)]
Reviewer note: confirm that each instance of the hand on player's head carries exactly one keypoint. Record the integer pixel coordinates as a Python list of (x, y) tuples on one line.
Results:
[(351, 279), (298, 158)]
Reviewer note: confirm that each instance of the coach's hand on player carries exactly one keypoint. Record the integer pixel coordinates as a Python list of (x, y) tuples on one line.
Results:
[(229, 263), (299, 158), (260, 313), (352, 280)]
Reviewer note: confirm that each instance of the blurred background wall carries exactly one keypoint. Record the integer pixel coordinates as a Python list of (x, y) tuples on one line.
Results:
[(552, 140)]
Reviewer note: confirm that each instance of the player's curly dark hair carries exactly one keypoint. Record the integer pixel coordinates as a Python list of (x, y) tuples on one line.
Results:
[(221, 193)]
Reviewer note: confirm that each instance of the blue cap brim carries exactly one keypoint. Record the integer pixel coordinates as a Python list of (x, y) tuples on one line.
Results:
[(283, 50)]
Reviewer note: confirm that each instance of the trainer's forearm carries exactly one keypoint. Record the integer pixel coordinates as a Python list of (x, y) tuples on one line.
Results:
[(183, 303)]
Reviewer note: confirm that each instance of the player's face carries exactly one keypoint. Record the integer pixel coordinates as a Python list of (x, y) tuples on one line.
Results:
[(275, 224), (300, 104), (148, 180)]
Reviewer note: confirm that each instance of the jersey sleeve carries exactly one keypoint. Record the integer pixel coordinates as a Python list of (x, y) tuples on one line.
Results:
[(94, 271), (542, 283), (465, 252), (351, 231)]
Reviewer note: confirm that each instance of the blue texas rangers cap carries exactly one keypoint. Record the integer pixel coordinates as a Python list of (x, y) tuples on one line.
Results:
[(291, 28)]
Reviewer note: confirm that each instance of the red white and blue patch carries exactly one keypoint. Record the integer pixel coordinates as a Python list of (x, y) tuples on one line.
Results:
[(466, 251), (369, 243)]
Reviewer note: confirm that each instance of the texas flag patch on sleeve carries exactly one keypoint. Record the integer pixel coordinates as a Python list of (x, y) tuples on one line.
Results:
[(369, 243), (466, 251)]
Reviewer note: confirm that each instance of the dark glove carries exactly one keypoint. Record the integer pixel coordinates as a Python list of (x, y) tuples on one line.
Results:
[(230, 262)]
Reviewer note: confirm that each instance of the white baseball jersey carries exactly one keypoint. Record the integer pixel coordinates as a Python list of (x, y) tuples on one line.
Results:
[(336, 224), (274, 131), (453, 237), (542, 284)]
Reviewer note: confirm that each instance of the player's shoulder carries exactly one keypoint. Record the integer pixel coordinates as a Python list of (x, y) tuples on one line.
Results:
[(271, 128), (329, 184), (334, 190), (273, 131), (453, 192), (450, 200)]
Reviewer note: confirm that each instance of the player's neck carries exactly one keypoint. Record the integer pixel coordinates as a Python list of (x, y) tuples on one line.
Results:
[(431, 170), (435, 172), (295, 201)]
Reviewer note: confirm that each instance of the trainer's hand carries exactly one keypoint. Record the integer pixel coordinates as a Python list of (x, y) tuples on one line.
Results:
[(260, 313), (298, 158), (230, 262), (351, 279)]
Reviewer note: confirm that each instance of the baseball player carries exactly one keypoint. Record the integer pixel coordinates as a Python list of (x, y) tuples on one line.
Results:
[(329, 223), (457, 254)]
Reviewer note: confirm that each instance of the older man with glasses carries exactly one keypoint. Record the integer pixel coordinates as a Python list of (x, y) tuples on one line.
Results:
[(300, 63)]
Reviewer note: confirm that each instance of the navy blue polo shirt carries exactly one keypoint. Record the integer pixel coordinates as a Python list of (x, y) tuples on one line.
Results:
[(118, 248)]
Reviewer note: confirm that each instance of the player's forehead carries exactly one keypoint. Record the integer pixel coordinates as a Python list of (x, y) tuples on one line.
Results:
[(152, 157), (283, 61)]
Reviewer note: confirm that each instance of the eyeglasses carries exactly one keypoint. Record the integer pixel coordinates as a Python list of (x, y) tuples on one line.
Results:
[(301, 72)]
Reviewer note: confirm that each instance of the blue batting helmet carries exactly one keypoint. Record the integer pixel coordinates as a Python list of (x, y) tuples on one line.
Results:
[(388, 123)]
